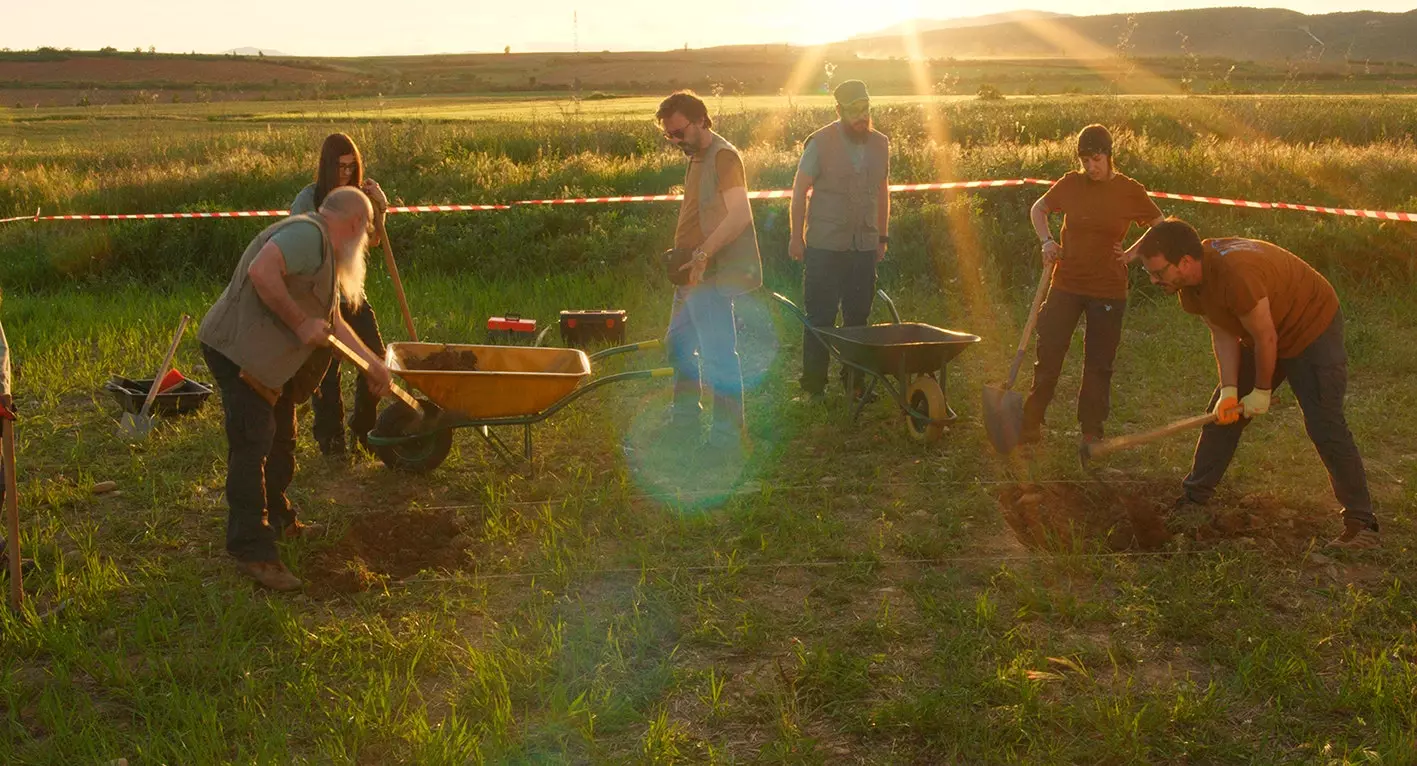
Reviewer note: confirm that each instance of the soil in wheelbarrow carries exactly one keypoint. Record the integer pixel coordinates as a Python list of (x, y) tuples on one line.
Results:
[(450, 360), (385, 546), (1136, 516)]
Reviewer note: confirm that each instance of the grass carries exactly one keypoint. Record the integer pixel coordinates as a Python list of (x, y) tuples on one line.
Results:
[(847, 596)]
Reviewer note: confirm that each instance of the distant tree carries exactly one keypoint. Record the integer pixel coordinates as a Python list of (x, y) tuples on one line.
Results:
[(108, 49), (261, 53), (507, 50), (989, 92), (152, 50)]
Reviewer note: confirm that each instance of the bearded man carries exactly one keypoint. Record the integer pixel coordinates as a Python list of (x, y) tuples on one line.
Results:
[(842, 234), (265, 342)]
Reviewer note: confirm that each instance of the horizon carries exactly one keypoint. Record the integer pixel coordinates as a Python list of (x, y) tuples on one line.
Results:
[(623, 25)]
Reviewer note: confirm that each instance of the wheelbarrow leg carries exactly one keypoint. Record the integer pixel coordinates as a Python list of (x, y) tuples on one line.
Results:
[(951, 415), (526, 449)]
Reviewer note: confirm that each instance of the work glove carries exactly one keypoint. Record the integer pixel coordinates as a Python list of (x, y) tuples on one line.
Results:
[(1256, 402), (1227, 407)]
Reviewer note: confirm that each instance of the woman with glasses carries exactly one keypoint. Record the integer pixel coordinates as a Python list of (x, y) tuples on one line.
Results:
[(342, 165)]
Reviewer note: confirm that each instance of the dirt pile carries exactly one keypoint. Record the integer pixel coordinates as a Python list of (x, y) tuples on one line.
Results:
[(450, 360), (1138, 516), (386, 545)]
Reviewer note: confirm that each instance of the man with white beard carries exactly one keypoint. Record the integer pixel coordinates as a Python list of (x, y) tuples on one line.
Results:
[(842, 234), (265, 341)]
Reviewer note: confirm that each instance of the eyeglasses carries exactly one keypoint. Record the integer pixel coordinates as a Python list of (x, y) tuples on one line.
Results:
[(1161, 272), (856, 108), (350, 166)]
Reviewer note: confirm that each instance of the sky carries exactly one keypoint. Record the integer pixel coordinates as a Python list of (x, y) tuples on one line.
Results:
[(459, 26)]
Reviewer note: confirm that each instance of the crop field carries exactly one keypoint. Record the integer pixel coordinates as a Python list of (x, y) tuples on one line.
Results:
[(845, 595)]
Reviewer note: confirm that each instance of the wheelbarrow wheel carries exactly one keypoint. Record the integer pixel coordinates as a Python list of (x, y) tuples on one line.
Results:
[(419, 454), (926, 397)]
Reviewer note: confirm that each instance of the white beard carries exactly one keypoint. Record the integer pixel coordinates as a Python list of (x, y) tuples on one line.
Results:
[(351, 264)]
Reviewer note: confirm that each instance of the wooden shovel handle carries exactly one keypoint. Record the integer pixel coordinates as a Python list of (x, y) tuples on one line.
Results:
[(1126, 442), (12, 516), (1043, 280), (166, 362), (358, 361), (394, 275)]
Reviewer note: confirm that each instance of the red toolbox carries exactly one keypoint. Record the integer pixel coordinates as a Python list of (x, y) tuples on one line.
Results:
[(586, 328), (511, 330)]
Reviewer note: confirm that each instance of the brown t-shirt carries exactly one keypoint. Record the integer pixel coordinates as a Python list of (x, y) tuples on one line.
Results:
[(687, 233), (1096, 215), (1236, 273)]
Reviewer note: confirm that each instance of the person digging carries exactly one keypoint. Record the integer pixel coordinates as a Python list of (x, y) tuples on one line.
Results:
[(265, 341), (1272, 318)]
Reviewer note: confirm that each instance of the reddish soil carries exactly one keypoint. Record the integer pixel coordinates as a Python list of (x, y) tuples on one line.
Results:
[(1133, 517), (388, 544), (164, 70)]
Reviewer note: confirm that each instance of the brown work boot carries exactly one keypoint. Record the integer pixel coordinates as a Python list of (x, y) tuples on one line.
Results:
[(271, 574), (302, 530), (1356, 536)]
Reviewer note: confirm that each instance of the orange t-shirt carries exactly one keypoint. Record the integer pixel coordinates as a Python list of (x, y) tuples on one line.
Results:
[(1096, 215), (687, 233), (1236, 273)]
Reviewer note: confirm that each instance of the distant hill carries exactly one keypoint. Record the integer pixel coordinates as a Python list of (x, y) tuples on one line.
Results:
[(930, 25), (248, 51), (1242, 34)]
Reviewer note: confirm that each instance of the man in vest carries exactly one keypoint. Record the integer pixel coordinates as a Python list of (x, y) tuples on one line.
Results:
[(845, 165), (265, 342), (716, 225), (1272, 318)]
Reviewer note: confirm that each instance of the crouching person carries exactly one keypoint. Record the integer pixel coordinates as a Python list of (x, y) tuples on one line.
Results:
[(265, 341)]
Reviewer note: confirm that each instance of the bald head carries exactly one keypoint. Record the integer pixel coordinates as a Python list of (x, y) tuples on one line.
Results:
[(347, 202)]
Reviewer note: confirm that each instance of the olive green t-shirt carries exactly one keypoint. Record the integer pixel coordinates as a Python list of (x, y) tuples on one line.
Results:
[(303, 247), (688, 233)]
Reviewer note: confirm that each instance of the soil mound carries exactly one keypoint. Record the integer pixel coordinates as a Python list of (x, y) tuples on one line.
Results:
[(387, 545)]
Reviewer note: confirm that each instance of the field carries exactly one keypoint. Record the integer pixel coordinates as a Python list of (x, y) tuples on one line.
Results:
[(845, 596)]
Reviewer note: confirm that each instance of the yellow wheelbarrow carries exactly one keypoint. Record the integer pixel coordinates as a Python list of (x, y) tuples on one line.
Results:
[(487, 387)]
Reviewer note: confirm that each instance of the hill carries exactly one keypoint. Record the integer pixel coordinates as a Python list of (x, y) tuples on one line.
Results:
[(930, 25)]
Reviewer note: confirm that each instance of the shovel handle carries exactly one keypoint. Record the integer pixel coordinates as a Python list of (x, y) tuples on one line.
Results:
[(1118, 443), (1043, 280), (358, 361), (12, 516), (394, 275), (166, 363)]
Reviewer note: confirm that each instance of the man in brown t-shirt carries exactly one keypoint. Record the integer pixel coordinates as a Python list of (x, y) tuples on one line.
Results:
[(1090, 279), (1272, 317)]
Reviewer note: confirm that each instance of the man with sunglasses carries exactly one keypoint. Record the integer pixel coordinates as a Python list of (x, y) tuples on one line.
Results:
[(715, 225), (841, 234), (1272, 318)]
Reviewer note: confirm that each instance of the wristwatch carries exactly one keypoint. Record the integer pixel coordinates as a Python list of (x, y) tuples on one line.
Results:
[(700, 256)]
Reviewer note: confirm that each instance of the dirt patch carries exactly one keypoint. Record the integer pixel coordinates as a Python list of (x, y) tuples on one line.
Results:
[(388, 545), (450, 360), (1123, 517)]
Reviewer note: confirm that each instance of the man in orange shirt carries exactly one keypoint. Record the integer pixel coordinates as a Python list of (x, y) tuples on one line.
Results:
[(1272, 318), (1098, 206)]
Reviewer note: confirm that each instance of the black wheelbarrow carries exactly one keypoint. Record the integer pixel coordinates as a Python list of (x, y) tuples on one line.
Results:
[(907, 359)]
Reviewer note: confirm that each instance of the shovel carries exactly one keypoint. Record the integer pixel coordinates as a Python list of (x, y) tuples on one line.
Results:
[(394, 276), (1086, 452), (1003, 407), (138, 426), (12, 510), (416, 418)]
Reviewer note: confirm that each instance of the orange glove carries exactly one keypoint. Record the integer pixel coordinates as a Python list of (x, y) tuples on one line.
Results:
[(1227, 408)]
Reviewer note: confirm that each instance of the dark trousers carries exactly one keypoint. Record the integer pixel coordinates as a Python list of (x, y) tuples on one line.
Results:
[(326, 402), (260, 462), (833, 280), (1056, 321), (702, 343), (1318, 376)]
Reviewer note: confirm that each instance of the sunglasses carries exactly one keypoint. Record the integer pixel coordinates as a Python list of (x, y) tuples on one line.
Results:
[(856, 108), (676, 135)]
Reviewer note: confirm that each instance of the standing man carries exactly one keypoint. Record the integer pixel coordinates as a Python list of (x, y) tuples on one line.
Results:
[(265, 341), (716, 225), (1272, 318), (842, 234), (1098, 206)]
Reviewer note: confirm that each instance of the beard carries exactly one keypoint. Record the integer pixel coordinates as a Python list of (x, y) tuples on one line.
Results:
[(350, 268), (857, 130)]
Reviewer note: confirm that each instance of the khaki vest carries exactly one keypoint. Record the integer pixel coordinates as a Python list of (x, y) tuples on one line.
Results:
[(243, 329), (736, 268), (841, 214)]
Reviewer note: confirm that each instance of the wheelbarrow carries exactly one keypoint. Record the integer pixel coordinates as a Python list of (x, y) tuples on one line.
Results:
[(493, 387), (907, 359)]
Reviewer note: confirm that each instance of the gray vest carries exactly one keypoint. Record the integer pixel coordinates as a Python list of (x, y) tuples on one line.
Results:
[(736, 268), (246, 331), (841, 215)]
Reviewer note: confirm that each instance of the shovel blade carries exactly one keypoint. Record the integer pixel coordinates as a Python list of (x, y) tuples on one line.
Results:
[(1003, 417), (135, 426)]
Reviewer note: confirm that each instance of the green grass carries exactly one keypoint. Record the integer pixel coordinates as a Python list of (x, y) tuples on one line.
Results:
[(848, 596)]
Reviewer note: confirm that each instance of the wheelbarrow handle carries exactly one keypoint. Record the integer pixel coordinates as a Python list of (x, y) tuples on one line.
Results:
[(889, 304), (358, 361), (644, 345), (799, 313)]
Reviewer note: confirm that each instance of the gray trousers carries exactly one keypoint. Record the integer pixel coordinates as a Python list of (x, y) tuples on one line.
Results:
[(1318, 376)]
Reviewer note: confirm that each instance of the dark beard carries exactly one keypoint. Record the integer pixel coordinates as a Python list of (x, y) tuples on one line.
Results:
[(857, 136)]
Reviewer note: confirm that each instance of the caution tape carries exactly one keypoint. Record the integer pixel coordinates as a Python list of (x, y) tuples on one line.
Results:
[(1383, 215)]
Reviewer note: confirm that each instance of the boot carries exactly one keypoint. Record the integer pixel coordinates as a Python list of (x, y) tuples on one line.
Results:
[(271, 574)]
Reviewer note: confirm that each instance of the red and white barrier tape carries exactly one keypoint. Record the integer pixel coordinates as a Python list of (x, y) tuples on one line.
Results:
[(768, 194)]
